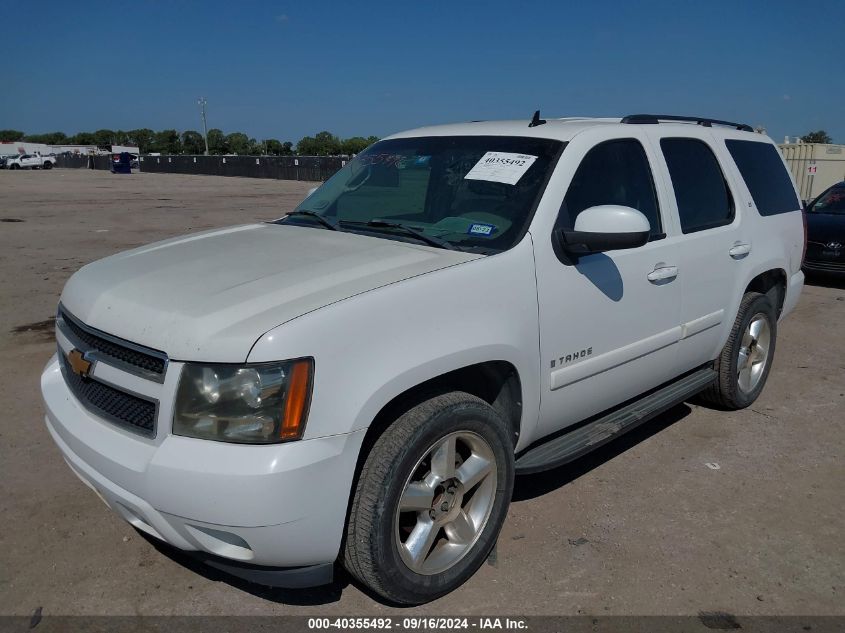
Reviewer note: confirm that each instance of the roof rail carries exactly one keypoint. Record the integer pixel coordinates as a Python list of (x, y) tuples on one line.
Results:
[(645, 119)]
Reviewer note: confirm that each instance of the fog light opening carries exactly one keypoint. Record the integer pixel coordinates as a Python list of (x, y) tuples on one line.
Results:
[(221, 543)]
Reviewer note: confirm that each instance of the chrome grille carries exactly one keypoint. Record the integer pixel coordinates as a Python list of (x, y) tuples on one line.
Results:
[(827, 266), (143, 361)]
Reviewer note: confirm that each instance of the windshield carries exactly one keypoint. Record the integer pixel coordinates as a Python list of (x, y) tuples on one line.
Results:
[(831, 201), (477, 193)]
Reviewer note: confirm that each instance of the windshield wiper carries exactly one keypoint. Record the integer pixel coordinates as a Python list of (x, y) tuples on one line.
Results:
[(329, 224), (428, 239), (383, 224)]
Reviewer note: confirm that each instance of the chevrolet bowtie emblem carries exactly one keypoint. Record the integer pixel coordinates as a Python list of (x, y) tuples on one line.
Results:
[(78, 364)]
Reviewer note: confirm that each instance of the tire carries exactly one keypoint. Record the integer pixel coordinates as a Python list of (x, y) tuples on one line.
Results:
[(48, 165), (14, 166), (415, 555), (745, 361)]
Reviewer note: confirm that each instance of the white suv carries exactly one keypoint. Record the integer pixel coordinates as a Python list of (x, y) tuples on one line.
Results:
[(359, 381)]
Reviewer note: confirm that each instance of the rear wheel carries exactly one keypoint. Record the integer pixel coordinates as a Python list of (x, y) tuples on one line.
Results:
[(48, 165), (430, 500), (14, 166), (745, 361)]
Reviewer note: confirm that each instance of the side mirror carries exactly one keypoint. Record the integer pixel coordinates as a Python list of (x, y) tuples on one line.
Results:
[(605, 228)]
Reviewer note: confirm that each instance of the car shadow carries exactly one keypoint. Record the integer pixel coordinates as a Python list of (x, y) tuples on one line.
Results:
[(825, 280), (528, 487), (603, 273)]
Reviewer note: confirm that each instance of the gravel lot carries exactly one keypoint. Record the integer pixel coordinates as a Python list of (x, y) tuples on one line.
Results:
[(644, 526)]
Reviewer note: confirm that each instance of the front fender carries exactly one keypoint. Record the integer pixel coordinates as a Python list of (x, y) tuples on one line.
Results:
[(372, 347)]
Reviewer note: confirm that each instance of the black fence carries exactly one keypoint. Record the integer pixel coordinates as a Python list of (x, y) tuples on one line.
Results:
[(315, 168), (99, 162)]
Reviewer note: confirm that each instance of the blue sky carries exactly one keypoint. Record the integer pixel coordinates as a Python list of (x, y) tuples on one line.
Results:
[(284, 69)]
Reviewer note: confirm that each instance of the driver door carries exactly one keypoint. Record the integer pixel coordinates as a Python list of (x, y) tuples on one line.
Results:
[(609, 321)]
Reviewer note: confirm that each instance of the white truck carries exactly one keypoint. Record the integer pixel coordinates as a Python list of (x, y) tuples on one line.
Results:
[(30, 161), (358, 382)]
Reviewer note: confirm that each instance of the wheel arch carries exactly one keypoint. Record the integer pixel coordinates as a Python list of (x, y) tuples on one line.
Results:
[(771, 282), (496, 382)]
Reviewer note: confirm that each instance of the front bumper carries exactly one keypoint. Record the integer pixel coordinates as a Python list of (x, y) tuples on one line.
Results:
[(274, 506)]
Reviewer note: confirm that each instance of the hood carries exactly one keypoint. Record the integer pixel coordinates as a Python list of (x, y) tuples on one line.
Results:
[(826, 227), (209, 296)]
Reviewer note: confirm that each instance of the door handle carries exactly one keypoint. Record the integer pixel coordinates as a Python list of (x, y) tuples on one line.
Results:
[(739, 250), (662, 273)]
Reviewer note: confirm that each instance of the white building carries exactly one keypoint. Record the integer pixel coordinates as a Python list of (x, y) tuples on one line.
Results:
[(24, 147), (814, 166)]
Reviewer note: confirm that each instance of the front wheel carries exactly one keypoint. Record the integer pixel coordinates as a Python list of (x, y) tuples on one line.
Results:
[(14, 166), (745, 361), (48, 165), (431, 499)]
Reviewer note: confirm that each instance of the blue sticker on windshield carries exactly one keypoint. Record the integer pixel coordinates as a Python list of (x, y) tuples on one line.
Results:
[(422, 160), (482, 229)]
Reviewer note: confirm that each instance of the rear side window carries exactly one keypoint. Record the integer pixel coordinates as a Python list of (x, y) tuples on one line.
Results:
[(703, 197), (765, 176), (613, 172)]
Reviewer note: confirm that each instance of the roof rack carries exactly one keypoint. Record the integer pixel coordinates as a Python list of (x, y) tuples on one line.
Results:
[(645, 119)]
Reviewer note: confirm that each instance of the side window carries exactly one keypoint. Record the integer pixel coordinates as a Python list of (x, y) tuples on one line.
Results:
[(703, 197), (613, 172), (765, 175)]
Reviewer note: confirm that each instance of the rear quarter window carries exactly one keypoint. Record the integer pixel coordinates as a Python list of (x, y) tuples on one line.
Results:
[(765, 176)]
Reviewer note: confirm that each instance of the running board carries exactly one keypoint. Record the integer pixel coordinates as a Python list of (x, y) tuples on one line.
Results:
[(565, 448)]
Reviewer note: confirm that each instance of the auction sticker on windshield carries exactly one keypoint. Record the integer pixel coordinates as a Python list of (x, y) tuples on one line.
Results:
[(503, 167)]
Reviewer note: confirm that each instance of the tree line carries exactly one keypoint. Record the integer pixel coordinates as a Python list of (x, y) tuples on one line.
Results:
[(192, 142), (819, 136)]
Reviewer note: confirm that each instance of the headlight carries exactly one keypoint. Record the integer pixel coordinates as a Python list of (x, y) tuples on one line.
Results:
[(248, 404)]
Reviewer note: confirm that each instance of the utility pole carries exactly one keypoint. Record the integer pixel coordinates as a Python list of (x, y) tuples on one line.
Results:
[(202, 103)]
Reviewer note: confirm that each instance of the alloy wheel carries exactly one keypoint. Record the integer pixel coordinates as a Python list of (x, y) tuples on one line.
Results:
[(446, 503), (753, 352)]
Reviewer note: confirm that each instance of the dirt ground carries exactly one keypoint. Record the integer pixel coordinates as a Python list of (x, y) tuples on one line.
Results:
[(698, 511)]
